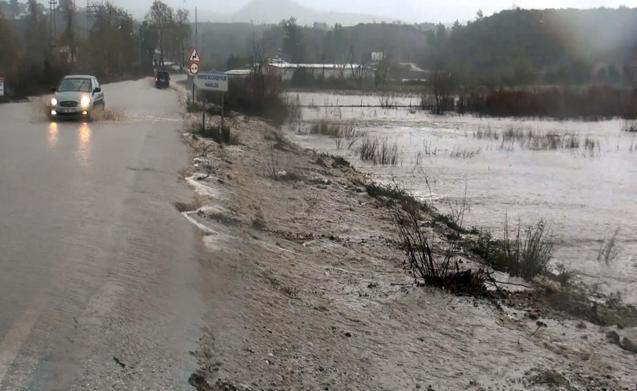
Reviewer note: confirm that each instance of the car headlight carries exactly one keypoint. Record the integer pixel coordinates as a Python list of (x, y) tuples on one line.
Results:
[(85, 101), (54, 102)]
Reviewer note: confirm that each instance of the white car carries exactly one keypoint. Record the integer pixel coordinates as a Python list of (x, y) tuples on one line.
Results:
[(77, 96)]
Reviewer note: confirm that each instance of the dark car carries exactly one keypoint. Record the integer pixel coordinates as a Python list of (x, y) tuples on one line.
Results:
[(162, 79)]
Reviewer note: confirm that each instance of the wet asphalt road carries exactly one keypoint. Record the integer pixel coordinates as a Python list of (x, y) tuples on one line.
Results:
[(99, 274)]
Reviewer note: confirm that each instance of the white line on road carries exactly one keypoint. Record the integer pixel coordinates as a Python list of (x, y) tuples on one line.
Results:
[(15, 338)]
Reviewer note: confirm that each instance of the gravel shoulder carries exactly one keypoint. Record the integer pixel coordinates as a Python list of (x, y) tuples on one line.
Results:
[(310, 291)]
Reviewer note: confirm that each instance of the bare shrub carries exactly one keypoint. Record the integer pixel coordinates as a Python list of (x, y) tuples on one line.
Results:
[(428, 268), (368, 149), (393, 194), (608, 250), (464, 153), (569, 141), (538, 141), (487, 133), (562, 275), (387, 101), (272, 164), (379, 153), (346, 135), (591, 145), (324, 128), (221, 136), (527, 254), (428, 148), (459, 208), (629, 126), (261, 94), (338, 140), (418, 159), (388, 154)]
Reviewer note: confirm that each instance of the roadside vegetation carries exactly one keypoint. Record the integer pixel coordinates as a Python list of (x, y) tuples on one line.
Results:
[(379, 152), (345, 135), (593, 102), (538, 141), (525, 252), (433, 268), (220, 136), (608, 249)]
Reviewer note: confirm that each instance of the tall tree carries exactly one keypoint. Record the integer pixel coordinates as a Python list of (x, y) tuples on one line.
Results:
[(36, 36), (182, 34), (293, 47), (161, 18), (68, 36), (8, 48), (148, 38), (114, 45)]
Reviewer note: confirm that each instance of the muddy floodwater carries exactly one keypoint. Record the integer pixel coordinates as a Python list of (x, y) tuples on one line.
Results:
[(578, 176)]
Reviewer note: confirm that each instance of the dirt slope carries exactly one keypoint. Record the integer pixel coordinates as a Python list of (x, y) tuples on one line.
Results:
[(310, 292)]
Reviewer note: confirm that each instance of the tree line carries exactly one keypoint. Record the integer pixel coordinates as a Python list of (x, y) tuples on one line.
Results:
[(539, 47), (231, 45), (39, 46), (509, 49)]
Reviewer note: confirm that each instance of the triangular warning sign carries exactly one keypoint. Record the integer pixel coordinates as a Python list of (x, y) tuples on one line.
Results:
[(194, 57)]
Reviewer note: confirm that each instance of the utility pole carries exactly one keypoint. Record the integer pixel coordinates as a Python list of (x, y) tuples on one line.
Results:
[(52, 23), (91, 10), (192, 78)]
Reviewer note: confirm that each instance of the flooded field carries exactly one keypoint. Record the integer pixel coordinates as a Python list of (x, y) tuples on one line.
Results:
[(580, 177)]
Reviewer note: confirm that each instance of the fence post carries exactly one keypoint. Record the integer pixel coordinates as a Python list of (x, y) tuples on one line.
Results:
[(222, 114), (203, 115)]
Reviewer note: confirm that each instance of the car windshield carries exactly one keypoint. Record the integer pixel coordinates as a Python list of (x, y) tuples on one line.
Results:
[(75, 85)]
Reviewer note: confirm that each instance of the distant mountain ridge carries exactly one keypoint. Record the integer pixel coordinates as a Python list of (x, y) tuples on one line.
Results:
[(274, 11)]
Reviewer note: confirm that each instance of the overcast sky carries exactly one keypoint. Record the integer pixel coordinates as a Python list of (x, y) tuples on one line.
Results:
[(406, 10)]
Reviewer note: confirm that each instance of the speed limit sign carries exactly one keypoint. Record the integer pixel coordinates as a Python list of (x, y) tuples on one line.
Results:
[(194, 68)]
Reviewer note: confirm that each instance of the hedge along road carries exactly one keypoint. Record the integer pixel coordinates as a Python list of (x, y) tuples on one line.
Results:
[(99, 273)]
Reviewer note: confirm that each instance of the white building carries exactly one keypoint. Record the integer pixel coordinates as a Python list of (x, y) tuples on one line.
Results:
[(287, 70)]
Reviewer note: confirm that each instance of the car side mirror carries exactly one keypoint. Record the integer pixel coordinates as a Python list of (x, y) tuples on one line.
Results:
[(95, 91)]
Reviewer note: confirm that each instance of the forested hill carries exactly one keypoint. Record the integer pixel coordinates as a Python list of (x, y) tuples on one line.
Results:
[(220, 42), (521, 46), (513, 47)]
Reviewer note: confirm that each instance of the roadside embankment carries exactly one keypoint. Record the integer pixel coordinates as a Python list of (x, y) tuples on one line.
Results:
[(315, 293)]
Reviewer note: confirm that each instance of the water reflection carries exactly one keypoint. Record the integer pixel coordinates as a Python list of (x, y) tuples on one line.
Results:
[(53, 135), (84, 145)]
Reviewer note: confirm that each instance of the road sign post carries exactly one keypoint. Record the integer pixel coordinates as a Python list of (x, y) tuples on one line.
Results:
[(214, 82), (192, 79), (203, 116), (193, 69), (222, 114)]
